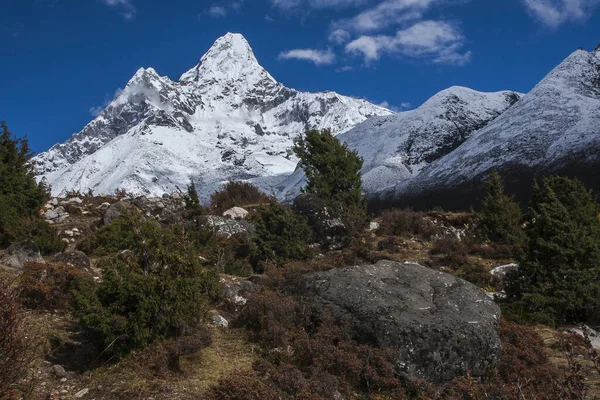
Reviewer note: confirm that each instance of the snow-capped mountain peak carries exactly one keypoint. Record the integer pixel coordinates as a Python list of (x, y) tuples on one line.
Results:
[(229, 59), (227, 118)]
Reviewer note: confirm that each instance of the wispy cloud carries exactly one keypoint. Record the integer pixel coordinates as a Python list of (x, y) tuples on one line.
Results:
[(289, 5), (438, 41), (222, 9), (385, 14), (97, 110), (318, 57), (402, 107), (125, 7), (339, 36), (553, 13)]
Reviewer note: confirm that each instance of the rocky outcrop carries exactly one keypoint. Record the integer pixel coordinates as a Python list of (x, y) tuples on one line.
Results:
[(439, 326), (329, 229), (115, 211), (18, 254), (228, 227)]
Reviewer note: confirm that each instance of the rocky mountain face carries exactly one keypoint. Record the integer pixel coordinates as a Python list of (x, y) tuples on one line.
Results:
[(226, 118), (554, 129)]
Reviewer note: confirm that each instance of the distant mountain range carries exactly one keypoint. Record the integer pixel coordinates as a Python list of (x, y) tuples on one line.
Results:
[(227, 118)]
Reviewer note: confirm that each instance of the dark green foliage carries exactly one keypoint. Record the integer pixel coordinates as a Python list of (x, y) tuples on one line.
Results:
[(237, 194), (558, 276), (500, 218), (192, 202), (21, 197), (333, 174), (281, 236), (157, 289), (44, 235)]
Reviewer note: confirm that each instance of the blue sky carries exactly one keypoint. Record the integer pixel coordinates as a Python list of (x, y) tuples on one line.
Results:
[(62, 60)]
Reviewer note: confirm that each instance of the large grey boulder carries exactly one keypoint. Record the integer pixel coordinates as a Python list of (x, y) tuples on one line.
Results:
[(438, 325), (18, 254), (329, 228)]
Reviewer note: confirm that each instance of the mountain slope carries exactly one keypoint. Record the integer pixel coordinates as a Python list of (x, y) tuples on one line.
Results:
[(555, 128), (227, 118), (396, 147)]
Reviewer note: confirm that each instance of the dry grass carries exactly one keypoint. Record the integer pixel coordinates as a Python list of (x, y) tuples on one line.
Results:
[(556, 356)]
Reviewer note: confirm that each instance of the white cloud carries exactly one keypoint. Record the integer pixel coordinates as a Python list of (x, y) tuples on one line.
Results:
[(288, 5), (403, 106), (217, 11), (339, 36), (554, 13), (435, 40), (387, 13), (126, 7), (318, 57), (221, 10)]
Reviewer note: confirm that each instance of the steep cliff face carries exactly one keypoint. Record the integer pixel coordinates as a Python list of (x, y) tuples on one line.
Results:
[(226, 118)]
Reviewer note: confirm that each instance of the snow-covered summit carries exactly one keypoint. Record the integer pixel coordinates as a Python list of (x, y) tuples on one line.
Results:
[(227, 118)]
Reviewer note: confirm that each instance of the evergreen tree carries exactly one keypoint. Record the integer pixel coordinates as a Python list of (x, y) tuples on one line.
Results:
[(500, 217), (21, 197), (333, 174), (558, 275), (192, 202)]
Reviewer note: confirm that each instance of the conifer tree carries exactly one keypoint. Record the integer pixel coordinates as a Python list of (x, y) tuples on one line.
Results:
[(500, 217), (21, 197), (558, 277), (333, 174)]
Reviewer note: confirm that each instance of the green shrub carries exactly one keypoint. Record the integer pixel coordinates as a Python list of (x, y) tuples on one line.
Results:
[(500, 217), (281, 236), (558, 275), (157, 290), (237, 194), (333, 174)]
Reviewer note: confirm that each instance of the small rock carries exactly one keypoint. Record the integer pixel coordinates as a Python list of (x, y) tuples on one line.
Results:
[(219, 321), (236, 213), (53, 202), (502, 270), (50, 215), (62, 217), (338, 396), (69, 233), (81, 393), (373, 226), (59, 371), (63, 380), (103, 206)]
